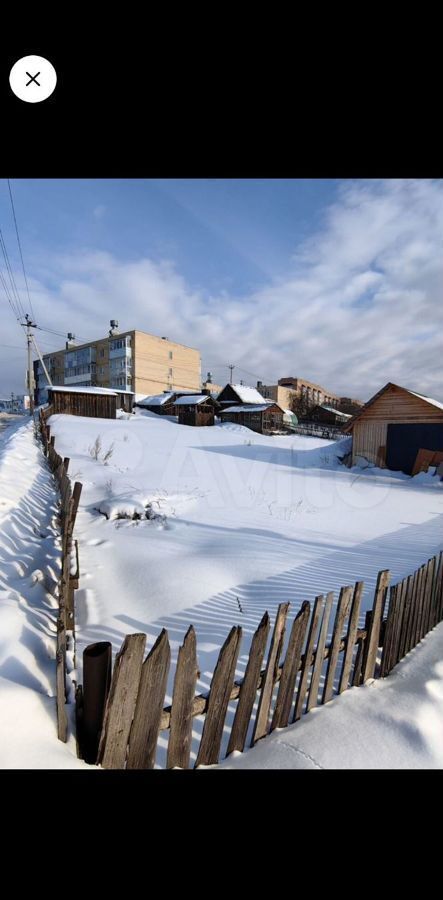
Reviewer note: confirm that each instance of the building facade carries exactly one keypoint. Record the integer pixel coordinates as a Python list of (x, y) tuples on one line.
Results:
[(284, 392), (129, 361)]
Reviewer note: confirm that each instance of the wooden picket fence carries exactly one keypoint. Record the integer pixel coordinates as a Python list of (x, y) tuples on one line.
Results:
[(69, 501), (134, 712)]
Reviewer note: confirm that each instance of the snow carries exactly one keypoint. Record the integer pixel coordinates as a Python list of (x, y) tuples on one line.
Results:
[(241, 520), (191, 399), (428, 399), (30, 558), (248, 408), (155, 399), (228, 523), (389, 723), (248, 394), (73, 389)]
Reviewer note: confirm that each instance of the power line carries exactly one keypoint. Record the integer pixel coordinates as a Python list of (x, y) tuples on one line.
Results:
[(20, 248), (16, 305)]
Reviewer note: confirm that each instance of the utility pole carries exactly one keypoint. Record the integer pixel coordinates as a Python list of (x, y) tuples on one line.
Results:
[(230, 378), (29, 325)]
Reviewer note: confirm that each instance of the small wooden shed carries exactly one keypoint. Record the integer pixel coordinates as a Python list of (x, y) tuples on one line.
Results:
[(198, 409), (393, 426), (125, 400), (161, 404), (263, 418), (98, 403)]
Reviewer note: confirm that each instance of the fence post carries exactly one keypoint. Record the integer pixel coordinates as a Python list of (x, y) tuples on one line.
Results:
[(97, 664), (372, 640)]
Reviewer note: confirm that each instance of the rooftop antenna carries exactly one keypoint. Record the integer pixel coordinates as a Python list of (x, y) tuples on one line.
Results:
[(230, 377)]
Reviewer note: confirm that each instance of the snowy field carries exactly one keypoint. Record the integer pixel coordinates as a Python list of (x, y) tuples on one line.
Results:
[(238, 523)]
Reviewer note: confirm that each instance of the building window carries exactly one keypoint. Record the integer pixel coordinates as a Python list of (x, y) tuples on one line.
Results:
[(170, 373), (102, 352), (170, 354)]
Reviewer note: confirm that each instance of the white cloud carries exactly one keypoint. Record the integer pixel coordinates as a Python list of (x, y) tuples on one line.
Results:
[(359, 305)]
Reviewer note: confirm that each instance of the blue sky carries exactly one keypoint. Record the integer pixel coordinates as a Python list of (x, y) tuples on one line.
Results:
[(336, 281)]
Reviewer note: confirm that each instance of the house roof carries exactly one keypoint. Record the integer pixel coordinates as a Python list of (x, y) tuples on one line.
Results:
[(249, 408), (75, 389), (336, 411), (349, 426), (192, 400), (156, 399), (246, 394)]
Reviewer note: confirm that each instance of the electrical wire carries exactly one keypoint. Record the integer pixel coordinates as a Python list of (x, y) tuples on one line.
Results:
[(20, 249), (16, 304)]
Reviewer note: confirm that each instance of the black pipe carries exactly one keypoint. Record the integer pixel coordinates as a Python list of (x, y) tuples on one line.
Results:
[(97, 670)]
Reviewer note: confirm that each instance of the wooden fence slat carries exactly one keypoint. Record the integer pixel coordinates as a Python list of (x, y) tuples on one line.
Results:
[(434, 597), (438, 591), (358, 665), (261, 724), (420, 592), (403, 586), (371, 643), (343, 608), (290, 668), (351, 636), (76, 494), (423, 604), (248, 691), (221, 684), (319, 653), (402, 650), (62, 719), (307, 660), (389, 632), (180, 736), (121, 702), (429, 599), (143, 735), (410, 627)]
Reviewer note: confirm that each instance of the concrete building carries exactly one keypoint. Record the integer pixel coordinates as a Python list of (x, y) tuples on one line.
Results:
[(283, 392), (129, 361)]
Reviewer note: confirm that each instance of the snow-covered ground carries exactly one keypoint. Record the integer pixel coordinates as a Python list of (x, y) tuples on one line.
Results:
[(238, 523), (29, 568), (241, 523)]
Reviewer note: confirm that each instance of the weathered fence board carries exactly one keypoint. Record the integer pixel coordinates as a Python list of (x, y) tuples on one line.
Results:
[(249, 687), (261, 725), (406, 616), (121, 702), (149, 706), (320, 653), (307, 660), (180, 736), (343, 608), (371, 644), (221, 684), (290, 668), (351, 636)]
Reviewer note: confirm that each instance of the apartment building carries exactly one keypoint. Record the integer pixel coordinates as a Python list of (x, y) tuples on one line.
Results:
[(283, 392), (128, 361)]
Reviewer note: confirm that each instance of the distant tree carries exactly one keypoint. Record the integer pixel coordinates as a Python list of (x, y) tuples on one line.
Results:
[(302, 406)]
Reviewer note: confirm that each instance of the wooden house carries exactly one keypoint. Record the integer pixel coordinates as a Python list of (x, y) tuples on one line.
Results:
[(393, 426), (161, 404), (98, 403), (198, 409), (263, 418), (328, 415), (238, 394)]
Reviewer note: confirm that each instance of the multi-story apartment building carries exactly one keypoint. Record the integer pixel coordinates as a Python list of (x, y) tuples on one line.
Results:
[(283, 392), (128, 361)]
